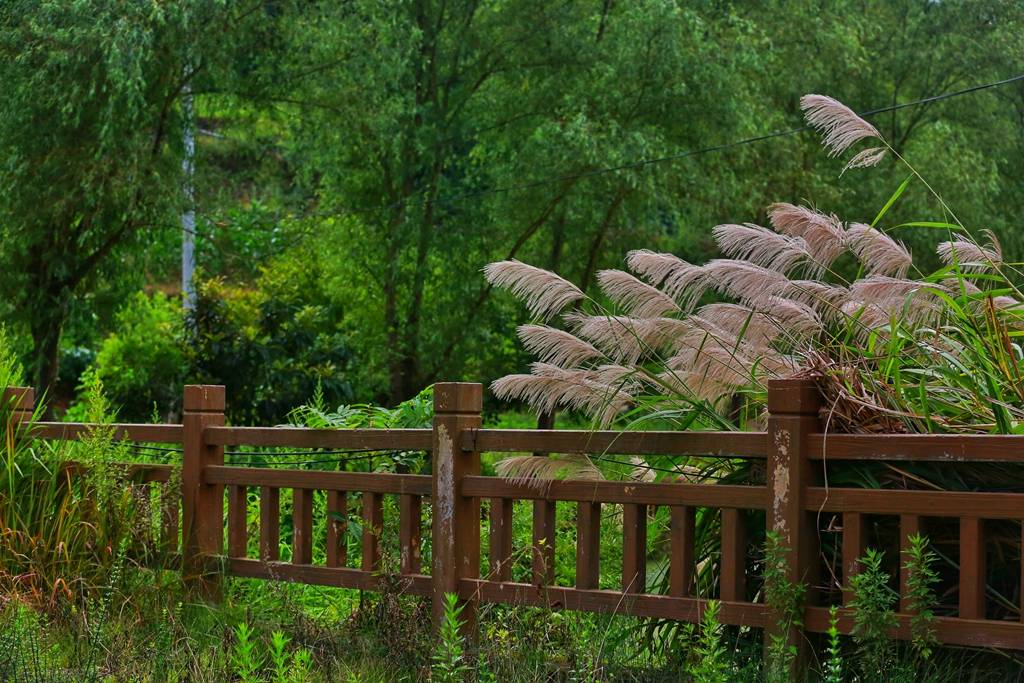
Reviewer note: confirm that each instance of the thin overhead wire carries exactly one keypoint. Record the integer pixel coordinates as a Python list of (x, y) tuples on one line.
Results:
[(643, 163), (420, 196)]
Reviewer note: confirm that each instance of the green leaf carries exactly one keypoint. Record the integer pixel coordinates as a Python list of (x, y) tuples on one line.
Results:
[(892, 200)]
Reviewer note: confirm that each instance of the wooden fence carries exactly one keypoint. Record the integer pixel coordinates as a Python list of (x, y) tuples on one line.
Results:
[(793, 498)]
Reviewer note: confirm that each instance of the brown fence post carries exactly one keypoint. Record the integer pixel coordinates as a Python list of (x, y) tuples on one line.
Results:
[(793, 408), (202, 504), (456, 519), (21, 402)]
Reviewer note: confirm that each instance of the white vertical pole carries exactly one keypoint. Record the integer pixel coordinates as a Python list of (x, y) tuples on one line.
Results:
[(188, 217)]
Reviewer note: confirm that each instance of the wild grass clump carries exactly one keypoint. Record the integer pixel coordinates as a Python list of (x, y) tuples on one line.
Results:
[(68, 509), (894, 348)]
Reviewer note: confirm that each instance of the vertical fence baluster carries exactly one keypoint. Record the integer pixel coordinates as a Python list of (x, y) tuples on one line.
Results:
[(456, 528), (202, 503), (373, 522), (270, 524), (793, 406), (733, 577), (337, 528), (588, 545), (410, 520), (634, 548), (500, 545), (909, 526), (302, 526), (681, 560), (543, 542), (238, 504), (972, 568), (854, 544)]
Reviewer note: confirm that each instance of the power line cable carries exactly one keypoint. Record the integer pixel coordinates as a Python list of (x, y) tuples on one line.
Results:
[(643, 163), (419, 196)]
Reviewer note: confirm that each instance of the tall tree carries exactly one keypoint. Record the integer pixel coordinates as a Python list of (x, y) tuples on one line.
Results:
[(413, 116), (90, 139)]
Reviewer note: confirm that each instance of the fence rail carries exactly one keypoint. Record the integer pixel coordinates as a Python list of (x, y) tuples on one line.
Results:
[(212, 527)]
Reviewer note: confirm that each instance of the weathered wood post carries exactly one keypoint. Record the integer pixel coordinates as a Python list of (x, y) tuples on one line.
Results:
[(793, 415), (456, 518), (21, 402), (202, 503)]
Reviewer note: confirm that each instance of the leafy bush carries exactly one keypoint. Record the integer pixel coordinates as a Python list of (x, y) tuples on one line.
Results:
[(142, 363), (272, 345), (873, 609)]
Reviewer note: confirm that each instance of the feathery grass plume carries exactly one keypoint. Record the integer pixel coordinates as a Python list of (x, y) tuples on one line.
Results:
[(620, 337), (548, 386), (642, 472), (880, 254), (543, 292), (636, 297), (686, 284), (865, 158), (868, 316), (613, 375), (653, 266), (1004, 302), (839, 126), (881, 288), (761, 246), (625, 339), (742, 322), (745, 281), (723, 366), (693, 384), (717, 362), (703, 332), (533, 470), (969, 255), (555, 346), (663, 334), (542, 389), (827, 299), (822, 234), (796, 318)]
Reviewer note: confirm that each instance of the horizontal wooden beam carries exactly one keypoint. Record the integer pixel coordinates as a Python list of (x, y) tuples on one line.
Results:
[(722, 444), (609, 601), (338, 577), (923, 503), (72, 431), (298, 437), (920, 447), (700, 495), (372, 482), (949, 630)]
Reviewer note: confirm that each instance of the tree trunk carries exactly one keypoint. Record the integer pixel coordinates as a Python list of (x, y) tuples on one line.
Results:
[(45, 329)]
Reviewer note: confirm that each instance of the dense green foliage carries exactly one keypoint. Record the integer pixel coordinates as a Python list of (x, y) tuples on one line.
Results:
[(406, 145)]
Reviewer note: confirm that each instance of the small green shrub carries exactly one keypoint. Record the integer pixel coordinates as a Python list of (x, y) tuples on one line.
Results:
[(712, 658), (449, 663), (921, 579), (245, 657), (833, 672), (785, 598), (873, 617)]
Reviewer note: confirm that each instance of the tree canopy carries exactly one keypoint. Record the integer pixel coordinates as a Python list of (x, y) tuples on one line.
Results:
[(408, 144)]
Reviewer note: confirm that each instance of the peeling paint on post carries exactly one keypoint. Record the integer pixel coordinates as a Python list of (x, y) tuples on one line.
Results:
[(456, 519), (793, 406)]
